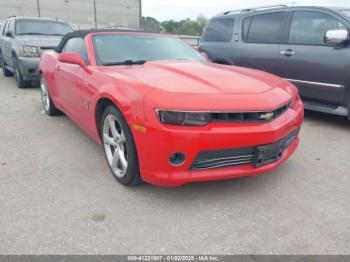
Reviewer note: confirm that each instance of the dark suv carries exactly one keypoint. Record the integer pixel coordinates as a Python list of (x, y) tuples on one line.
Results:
[(308, 46)]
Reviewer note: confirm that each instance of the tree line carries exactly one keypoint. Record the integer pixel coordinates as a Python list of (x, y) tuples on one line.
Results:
[(183, 27)]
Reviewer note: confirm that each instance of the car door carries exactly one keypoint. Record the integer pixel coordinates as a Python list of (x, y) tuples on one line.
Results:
[(2, 40), (319, 70), (2, 30), (70, 81), (261, 36), (7, 48)]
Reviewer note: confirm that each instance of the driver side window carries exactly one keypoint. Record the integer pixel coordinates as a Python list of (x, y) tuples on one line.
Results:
[(77, 45), (309, 28)]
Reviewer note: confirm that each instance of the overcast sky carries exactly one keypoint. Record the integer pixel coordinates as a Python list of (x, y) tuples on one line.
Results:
[(181, 9)]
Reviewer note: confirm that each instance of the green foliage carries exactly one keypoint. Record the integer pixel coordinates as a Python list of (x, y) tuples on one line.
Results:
[(183, 27), (150, 24)]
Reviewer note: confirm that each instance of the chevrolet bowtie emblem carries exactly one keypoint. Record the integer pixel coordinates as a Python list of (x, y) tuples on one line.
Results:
[(266, 116)]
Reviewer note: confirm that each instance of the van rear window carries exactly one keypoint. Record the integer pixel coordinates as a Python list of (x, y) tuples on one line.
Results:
[(219, 30)]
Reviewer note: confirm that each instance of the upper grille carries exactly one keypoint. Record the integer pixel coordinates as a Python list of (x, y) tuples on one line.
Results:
[(266, 116)]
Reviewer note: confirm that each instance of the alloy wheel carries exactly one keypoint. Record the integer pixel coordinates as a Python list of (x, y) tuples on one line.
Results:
[(45, 94), (115, 145)]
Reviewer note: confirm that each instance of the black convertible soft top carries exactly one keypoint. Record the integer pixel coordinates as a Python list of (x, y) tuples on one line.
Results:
[(83, 33)]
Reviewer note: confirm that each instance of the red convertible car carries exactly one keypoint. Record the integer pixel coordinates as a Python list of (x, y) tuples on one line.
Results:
[(166, 115)]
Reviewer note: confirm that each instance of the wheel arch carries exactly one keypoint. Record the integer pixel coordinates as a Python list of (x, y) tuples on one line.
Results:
[(102, 103), (222, 61), (129, 101)]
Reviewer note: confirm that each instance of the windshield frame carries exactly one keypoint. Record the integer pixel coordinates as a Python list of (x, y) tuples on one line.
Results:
[(43, 21), (99, 62), (345, 12)]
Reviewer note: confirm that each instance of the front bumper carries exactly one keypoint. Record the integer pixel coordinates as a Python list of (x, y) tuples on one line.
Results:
[(29, 68), (156, 145)]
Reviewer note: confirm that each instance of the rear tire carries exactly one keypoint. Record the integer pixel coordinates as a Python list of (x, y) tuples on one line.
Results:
[(21, 83), (46, 99), (5, 71), (119, 147)]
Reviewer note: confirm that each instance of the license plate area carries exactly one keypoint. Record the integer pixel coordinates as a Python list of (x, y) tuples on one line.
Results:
[(268, 154)]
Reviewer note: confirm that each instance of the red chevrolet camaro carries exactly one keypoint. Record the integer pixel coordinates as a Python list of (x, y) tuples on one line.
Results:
[(166, 115)]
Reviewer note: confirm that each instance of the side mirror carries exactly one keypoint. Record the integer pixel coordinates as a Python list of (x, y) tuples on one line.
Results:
[(336, 36), (71, 58), (8, 34)]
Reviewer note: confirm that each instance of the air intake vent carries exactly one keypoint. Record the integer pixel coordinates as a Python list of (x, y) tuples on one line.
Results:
[(242, 156), (223, 162)]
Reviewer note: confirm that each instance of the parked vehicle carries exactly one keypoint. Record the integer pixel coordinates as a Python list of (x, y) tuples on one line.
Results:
[(22, 41), (164, 114), (308, 46), (1, 31)]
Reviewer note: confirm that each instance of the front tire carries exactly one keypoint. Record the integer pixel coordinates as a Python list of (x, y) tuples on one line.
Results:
[(5, 71), (21, 83), (119, 147), (46, 99)]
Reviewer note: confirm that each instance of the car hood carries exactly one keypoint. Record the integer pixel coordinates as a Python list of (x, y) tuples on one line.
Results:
[(40, 40), (197, 77)]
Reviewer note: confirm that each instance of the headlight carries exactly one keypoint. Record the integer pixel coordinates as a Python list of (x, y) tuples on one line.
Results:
[(183, 118), (30, 51)]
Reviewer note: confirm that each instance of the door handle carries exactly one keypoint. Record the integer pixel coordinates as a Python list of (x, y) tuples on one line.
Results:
[(288, 52)]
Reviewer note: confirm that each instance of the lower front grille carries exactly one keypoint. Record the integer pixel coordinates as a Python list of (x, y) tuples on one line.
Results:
[(223, 162), (238, 156)]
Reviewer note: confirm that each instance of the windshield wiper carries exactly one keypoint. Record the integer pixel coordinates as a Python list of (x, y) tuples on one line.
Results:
[(126, 62), (31, 34), (56, 34)]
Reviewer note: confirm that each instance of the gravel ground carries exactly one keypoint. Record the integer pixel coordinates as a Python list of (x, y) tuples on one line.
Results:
[(57, 195)]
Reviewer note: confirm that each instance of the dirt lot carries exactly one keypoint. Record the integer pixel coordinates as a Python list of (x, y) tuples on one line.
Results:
[(58, 197)]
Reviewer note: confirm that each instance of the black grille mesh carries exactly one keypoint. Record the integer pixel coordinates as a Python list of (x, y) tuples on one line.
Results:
[(234, 157), (266, 116)]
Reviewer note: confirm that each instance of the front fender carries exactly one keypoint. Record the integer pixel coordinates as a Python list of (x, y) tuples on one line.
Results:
[(125, 97)]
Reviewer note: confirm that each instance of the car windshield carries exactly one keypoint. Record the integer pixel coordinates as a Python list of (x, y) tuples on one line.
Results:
[(45, 27), (115, 49)]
